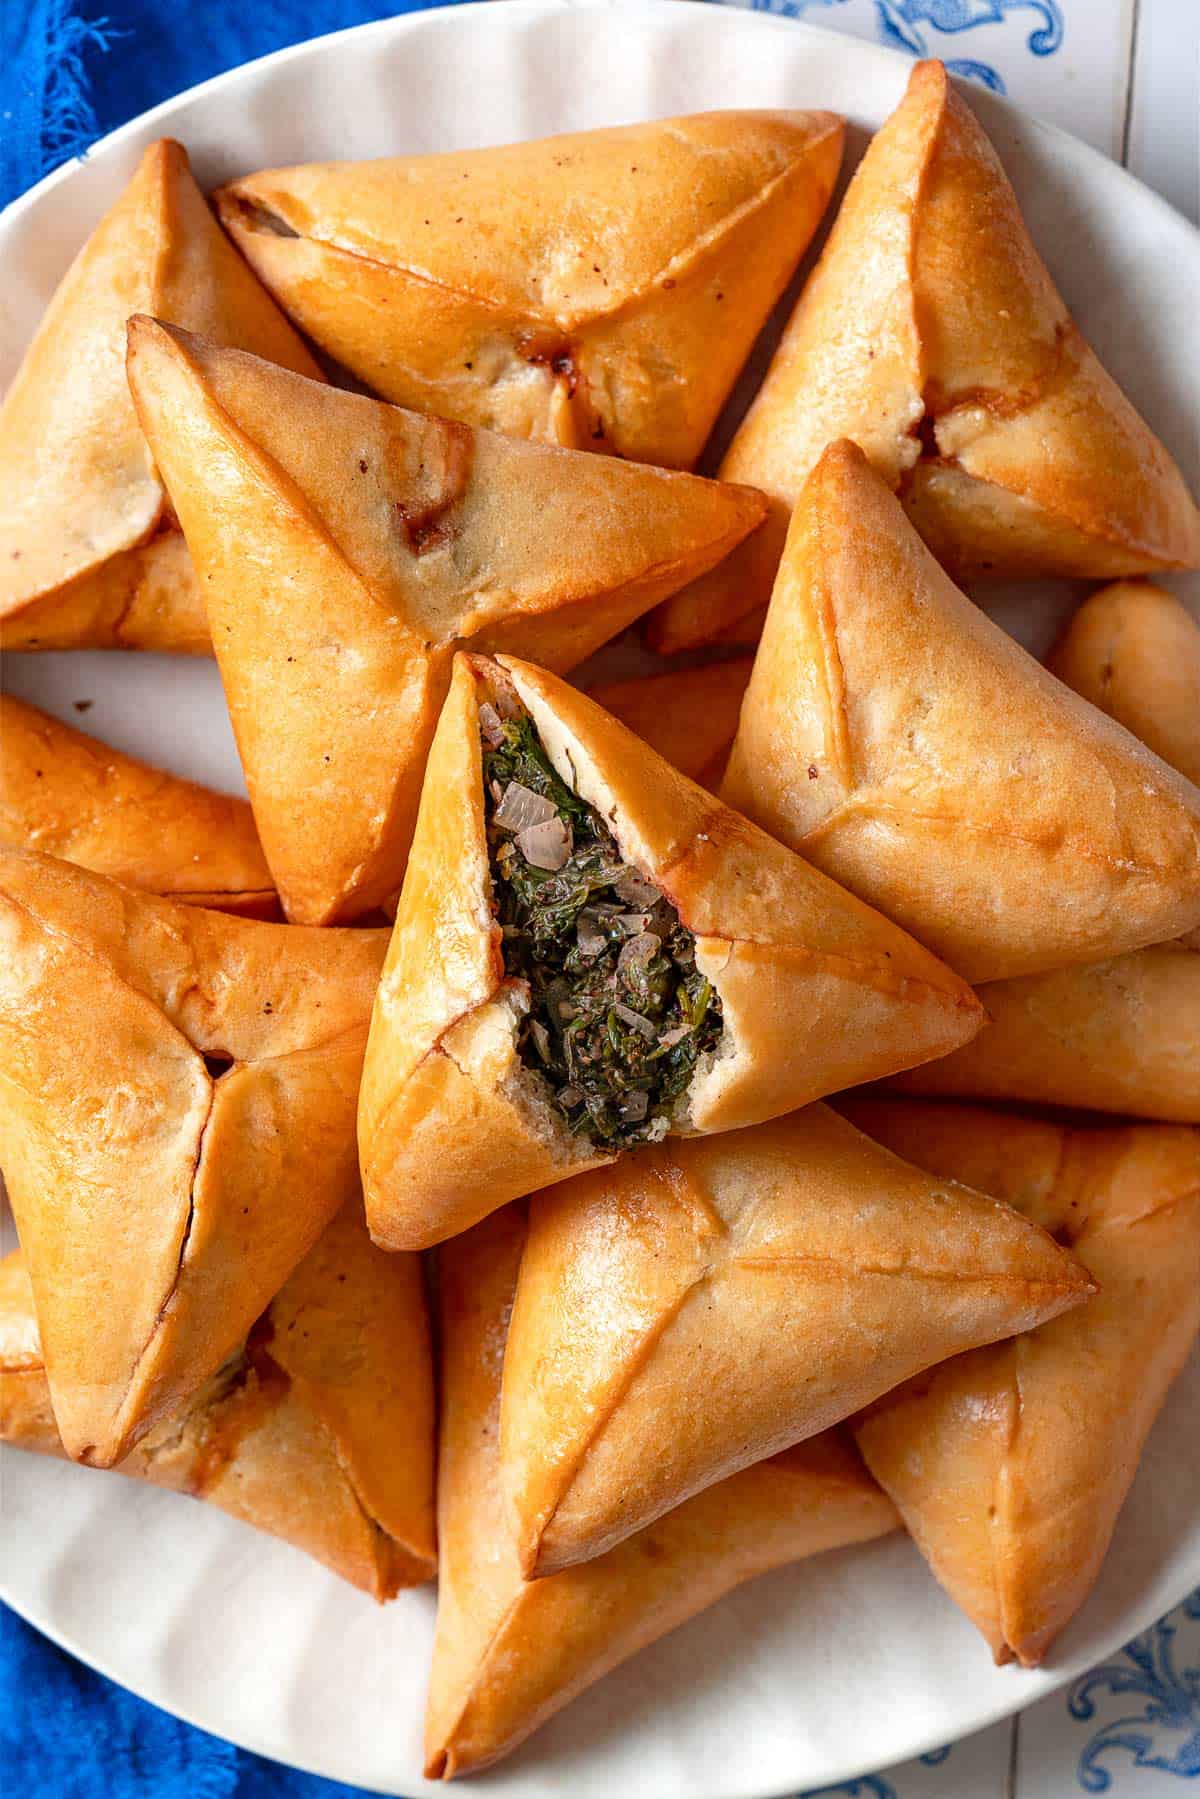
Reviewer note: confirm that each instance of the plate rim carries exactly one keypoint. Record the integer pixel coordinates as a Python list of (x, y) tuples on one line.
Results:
[(156, 120), (748, 17)]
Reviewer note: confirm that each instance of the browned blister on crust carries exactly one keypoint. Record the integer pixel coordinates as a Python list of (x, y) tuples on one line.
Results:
[(177, 1093), (68, 795), (931, 334), (813, 985), (1010, 1465), (611, 310), (720, 1298), (898, 739), (346, 547), (509, 1653), (319, 1431), (91, 556)]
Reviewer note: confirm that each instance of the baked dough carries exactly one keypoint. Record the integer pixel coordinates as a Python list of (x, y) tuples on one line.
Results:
[(1119, 1036), (71, 796), (92, 557), (898, 739), (1133, 649), (932, 335), (347, 546), (177, 1092), (707, 1302), (814, 986), (508, 1653), (319, 1431), (600, 290), (1122, 1035), (689, 715), (1010, 1465)]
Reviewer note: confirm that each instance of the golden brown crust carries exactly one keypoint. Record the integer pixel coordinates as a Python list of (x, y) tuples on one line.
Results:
[(80, 501), (381, 539), (688, 715), (1120, 1036), (724, 1297), (1010, 1466), (611, 310), (146, 598), (321, 1432), (69, 795), (814, 986), (1134, 650), (906, 745), (931, 335), (509, 1653), (169, 1171)]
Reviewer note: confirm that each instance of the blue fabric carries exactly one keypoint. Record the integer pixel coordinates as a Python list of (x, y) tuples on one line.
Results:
[(70, 70)]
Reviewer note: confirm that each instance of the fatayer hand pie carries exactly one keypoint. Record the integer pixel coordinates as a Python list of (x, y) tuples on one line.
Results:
[(1010, 1465), (689, 715), (1133, 649), (92, 557), (347, 546), (931, 334), (177, 1092), (68, 795), (590, 951), (318, 1430), (509, 1653), (708, 1302), (1122, 1035), (1118, 1036), (610, 308), (898, 739)]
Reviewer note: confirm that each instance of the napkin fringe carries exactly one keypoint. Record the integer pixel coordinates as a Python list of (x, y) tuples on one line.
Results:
[(68, 117)]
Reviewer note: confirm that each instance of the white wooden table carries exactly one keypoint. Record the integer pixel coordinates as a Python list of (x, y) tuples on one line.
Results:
[(1124, 75)]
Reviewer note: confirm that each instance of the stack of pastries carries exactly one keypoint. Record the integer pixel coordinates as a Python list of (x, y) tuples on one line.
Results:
[(571, 988)]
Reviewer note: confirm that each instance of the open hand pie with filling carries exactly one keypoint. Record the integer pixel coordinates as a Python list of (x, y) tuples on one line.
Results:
[(591, 951)]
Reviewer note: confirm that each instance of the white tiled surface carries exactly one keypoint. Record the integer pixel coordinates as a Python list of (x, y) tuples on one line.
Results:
[(1125, 75)]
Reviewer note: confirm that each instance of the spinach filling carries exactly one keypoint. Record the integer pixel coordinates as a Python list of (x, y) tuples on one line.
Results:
[(618, 1011)]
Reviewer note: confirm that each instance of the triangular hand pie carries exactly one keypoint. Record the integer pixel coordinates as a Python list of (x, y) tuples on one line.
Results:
[(1121, 1035), (901, 741), (346, 546), (508, 1653), (1118, 1036), (319, 1431), (1133, 649), (177, 1092), (640, 960), (1011, 1465), (709, 1302), (689, 715), (69, 795), (609, 307), (92, 557), (931, 334)]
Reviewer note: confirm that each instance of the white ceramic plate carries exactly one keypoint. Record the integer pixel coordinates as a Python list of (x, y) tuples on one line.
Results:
[(810, 1676)]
